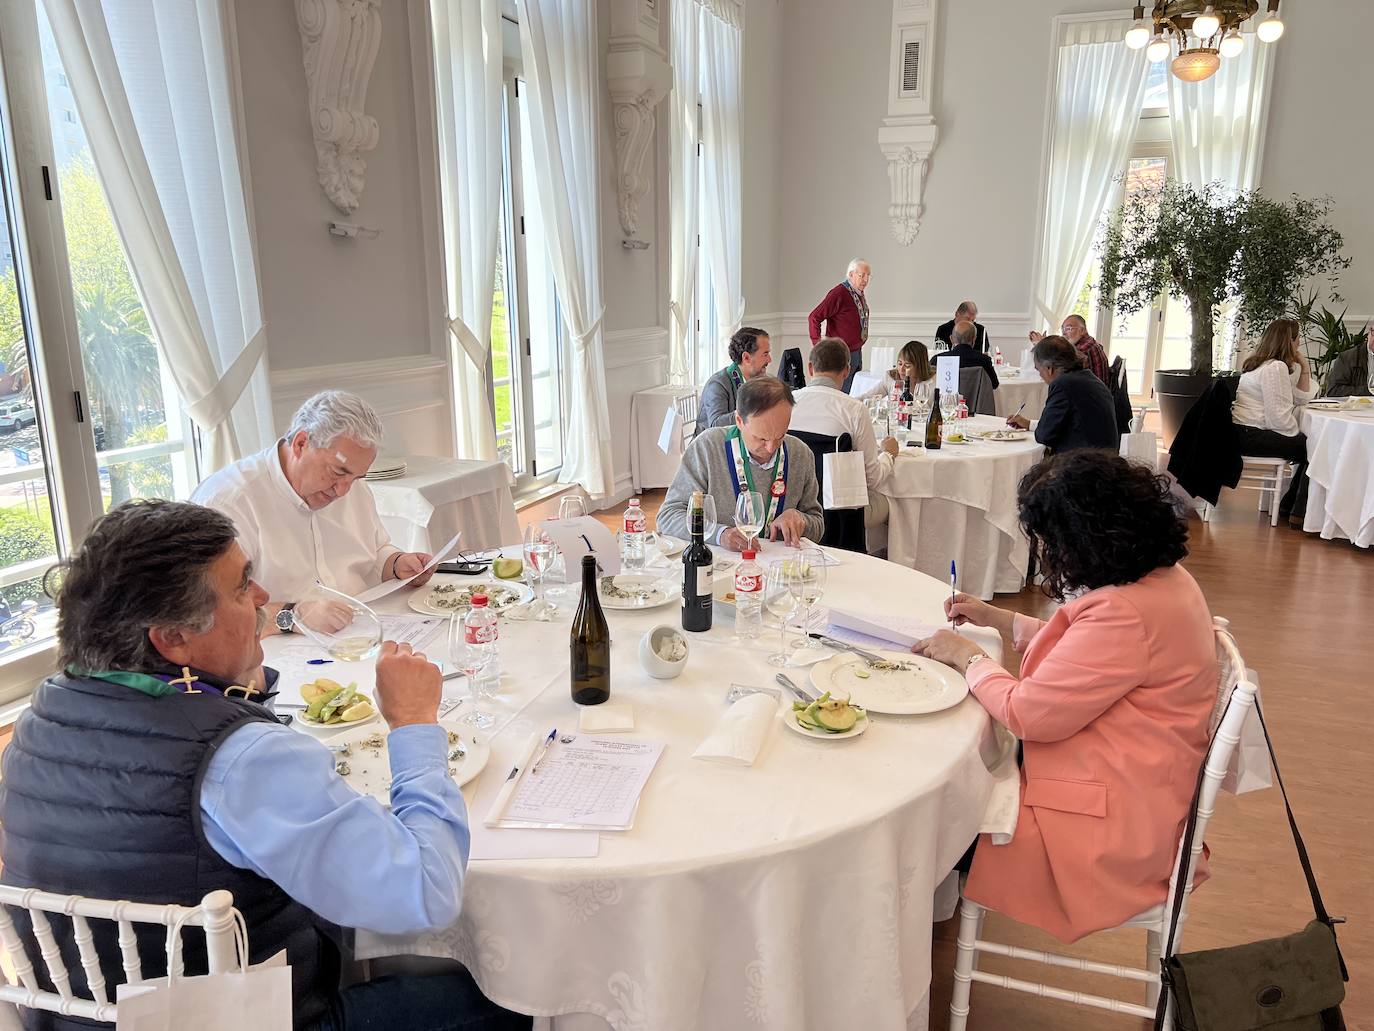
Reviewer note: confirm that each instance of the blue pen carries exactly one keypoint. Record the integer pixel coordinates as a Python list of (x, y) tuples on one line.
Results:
[(318, 662), (544, 751), (952, 594)]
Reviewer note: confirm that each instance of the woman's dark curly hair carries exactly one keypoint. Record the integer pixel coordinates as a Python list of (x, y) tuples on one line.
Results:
[(1095, 519)]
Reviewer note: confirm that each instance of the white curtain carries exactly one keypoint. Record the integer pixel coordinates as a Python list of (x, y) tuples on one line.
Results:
[(722, 215), (558, 46), (151, 82), (1218, 125), (467, 81), (684, 182), (1099, 87)]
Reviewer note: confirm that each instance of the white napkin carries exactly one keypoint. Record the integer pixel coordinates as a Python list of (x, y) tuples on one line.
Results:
[(739, 733), (998, 751), (606, 717)]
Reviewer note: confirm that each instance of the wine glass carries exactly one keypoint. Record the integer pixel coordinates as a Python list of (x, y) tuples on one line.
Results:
[(807, 586), (342, 625), (539, 551), (571, 506), (709, 526), (471, 660), (749, 514), (780, 601)]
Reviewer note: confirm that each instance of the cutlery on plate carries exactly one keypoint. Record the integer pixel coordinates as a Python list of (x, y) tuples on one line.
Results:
[(788, 683), (845, 646)]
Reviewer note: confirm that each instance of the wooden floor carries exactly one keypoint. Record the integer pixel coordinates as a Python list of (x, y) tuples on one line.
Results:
[(1302, 610)]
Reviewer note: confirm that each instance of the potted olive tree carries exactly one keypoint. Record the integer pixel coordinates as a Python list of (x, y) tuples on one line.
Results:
[(1208, 246)]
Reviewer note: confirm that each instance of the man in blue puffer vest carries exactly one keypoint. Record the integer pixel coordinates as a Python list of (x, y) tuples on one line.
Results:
[(151, 768)]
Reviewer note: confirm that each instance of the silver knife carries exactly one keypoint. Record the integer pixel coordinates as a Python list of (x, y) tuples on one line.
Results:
[(788, 683), (845, 646)]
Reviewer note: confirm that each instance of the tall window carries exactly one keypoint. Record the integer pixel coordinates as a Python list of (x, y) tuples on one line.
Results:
[(88, 414), (528, 393)]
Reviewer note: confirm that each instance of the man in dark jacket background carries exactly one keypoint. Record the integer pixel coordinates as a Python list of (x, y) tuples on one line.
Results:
[(1079, 411)]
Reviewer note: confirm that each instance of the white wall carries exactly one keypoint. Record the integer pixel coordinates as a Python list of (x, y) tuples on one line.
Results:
[(982, 198)]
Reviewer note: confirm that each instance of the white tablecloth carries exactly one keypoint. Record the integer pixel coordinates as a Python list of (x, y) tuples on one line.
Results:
[(1340, 455), (1011, 391), (650, 467), (796, 893), (437, 497), (960, 503)]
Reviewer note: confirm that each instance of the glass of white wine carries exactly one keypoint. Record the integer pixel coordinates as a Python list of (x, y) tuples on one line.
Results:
[(807, 585), (749, 516), (540, 552), (342, 625), (781, 602)]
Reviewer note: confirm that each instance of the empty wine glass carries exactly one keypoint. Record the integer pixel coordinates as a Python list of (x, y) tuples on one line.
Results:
[(471, 660), (540, 552), (780, 601), (709, 526), (807, 586), (749, 514), (571, 506), (342, 625)]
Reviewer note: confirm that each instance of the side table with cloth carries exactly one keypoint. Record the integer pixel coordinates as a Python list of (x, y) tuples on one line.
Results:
[(649, 466), (960, 503), (437, 497), (1014, 388), (1340, 471), (709, 912)]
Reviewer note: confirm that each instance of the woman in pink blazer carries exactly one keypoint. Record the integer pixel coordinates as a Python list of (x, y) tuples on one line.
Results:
[(1112, 703)]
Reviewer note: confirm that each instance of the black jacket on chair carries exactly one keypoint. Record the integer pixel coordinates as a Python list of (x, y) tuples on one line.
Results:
[(1205, 455), (792, 370), (844, 527), (1079, 412)]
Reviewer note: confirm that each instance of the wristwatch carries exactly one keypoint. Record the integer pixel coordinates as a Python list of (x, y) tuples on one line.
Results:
[(974, 658), (286, 620)]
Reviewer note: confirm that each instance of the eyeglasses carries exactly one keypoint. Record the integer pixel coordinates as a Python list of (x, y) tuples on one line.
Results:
[(475, 561)]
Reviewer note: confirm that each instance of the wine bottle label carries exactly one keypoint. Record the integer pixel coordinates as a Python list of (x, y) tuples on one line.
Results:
[(703, 581), (748, 583), (479, 634)]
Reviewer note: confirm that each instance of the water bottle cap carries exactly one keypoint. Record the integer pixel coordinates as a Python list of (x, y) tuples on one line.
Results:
[(634, 502), (479, 601), (750, 555)]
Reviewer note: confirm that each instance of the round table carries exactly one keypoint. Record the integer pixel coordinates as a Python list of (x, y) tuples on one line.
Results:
[(796, 892), (1013, 390), (1340, 456), (960, 503)]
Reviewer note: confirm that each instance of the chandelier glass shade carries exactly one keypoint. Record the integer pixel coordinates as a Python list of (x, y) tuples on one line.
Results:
[(1199, 32)]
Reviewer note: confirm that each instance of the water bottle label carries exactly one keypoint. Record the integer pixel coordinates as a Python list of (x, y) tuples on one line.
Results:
[(634, 525), (480, 634), (704, 581), (748, 583)]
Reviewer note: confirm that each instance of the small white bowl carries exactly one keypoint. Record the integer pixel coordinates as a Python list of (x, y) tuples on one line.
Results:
[(655, 664)]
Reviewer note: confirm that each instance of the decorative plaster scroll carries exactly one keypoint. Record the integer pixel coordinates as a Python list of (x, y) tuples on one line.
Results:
[(639, 76), (634, 136), (340, 38), (907, 149), (908, 133)]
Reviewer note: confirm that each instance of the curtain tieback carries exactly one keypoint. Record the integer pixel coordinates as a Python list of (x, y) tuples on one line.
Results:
[(580, 340), (215, 406)]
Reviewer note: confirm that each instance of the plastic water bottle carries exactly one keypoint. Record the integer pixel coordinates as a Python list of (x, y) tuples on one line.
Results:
[(997, 356), (480, 635), (748, 598), (962, 410), (632, 543)]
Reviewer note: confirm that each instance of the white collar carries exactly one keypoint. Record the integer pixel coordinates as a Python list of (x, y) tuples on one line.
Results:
[(278, 477)]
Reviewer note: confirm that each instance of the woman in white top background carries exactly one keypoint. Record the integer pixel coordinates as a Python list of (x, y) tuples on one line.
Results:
[(1275, 382)]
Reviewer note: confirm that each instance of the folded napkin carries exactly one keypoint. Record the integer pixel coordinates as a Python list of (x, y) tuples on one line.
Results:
[(606, 717), (998, 751), (739, 733)]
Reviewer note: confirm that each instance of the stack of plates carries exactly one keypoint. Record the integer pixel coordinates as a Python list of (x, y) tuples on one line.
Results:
[(386, 469)]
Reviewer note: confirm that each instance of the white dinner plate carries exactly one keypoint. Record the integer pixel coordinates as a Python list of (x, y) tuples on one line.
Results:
[(445, 595), (369, 768), (927, 686), (670, 546), (1003, 436), (641, 591), (789, 718)]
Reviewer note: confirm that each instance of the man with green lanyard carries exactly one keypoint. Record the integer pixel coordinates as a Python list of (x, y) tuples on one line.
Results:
[(754, 454), (749, 357), (152, 768)]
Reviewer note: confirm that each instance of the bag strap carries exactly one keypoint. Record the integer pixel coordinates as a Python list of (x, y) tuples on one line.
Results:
[(1185, 867)]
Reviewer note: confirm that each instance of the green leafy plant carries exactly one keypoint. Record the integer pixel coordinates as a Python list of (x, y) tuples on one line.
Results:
[(25, 536), (1325, 329), (1208, 246)]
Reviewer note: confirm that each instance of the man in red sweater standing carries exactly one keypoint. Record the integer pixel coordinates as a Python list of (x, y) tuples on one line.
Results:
[(844, 313)]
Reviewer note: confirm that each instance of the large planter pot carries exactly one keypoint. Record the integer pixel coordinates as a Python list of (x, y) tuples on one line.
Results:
[(1177, 390)]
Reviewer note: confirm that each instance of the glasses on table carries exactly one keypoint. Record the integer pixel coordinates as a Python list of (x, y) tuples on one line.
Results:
[(749, 514), (540, 553), (807, 587), (473, 562), (571, 506), (339, 623), (471, 660), (780, 601)]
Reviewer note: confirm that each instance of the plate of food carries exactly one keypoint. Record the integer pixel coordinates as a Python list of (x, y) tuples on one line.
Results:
[(360, 758), (895, 683), (454, 594), (332, 706), (1004, 435), (827, 718), (636, 591)]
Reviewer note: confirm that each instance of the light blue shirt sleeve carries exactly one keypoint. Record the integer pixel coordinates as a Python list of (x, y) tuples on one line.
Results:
[(271, 802)]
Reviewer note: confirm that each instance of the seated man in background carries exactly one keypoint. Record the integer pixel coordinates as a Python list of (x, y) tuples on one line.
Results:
[(754, 454), (968, 355), (1352, 373), (966, 312), (1075, 331), (301, 513), (749, 357), (823, 407), (1079, 411), (152, 769)]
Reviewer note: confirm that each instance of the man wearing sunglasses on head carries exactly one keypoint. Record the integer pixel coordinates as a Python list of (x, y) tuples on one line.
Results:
[(303, 517)]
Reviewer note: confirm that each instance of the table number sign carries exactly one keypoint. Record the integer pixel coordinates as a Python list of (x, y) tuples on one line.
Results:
[(947, 375)]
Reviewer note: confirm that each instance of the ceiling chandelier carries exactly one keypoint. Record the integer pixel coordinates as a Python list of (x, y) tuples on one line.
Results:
[(1214, 26)]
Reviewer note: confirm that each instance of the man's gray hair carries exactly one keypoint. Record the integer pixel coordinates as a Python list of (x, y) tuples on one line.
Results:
[(332, 414), (1055, 353), (965, 333), (965, 307), (854, 264)]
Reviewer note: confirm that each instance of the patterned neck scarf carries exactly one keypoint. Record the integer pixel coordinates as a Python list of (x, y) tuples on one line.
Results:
[(861, 303)]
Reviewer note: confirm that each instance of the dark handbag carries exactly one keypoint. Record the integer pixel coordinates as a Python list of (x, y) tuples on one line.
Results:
[(1293, 983)]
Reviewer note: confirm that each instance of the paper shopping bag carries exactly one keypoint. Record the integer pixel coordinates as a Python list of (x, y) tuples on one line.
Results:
[(846, 485), (259, 998)]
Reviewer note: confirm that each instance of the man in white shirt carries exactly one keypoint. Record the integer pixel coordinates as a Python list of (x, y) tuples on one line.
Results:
[(823, 407), (301, 513)]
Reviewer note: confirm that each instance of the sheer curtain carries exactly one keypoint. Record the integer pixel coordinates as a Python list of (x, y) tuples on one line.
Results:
[(1099, 87), (722, 215), (151, 82), (558, 45), (1218, 125), (468, 85), (684, 183)]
